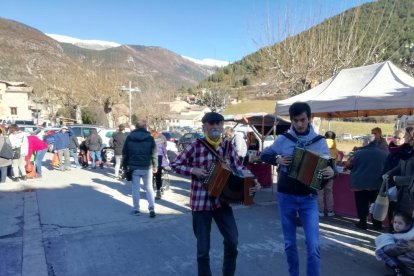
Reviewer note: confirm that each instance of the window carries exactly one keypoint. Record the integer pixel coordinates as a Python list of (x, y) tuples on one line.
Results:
[(13, 110)]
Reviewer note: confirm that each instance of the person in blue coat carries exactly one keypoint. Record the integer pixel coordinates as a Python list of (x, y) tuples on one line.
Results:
[(62, 144)]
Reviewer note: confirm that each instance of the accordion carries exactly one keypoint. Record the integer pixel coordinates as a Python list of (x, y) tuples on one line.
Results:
[(306, 167), (230, 187)]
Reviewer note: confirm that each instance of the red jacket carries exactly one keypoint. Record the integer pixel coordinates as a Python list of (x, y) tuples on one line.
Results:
[(35, 144)]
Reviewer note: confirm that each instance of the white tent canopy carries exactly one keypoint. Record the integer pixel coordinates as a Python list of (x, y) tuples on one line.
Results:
[(373, 90)]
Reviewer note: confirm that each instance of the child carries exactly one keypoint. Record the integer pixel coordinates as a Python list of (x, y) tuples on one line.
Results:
[(83, 150), (327, 192), (396, 250)]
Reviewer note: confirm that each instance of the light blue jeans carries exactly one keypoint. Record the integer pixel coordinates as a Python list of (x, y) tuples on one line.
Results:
[(95, 154), (118, 159), (307, 208), (146, 176)]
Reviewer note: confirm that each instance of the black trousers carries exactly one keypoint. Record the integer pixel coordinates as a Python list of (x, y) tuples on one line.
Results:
[(226, 224), (363, 199)]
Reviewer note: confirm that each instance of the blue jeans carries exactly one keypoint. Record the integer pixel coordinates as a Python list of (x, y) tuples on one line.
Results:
[(95, 154), (307, 208), (74, 154), (40, 154), (226, 224), (146, 176)]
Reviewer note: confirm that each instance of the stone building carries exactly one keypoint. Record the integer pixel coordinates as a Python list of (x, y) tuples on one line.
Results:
[(16, 101)]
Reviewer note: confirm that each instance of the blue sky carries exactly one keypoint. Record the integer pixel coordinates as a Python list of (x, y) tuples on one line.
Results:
[(218, 29)]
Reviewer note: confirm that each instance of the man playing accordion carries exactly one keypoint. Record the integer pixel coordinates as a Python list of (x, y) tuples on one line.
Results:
[(195, 160), (293, 196)]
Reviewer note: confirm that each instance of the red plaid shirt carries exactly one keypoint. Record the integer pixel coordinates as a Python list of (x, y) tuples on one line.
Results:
[(196, 155)]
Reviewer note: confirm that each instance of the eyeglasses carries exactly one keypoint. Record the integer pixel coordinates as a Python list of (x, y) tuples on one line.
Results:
[(214, 123)]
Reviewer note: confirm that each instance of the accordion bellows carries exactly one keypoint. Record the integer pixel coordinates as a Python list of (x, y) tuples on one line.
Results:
[(222, 182), (306, 167)]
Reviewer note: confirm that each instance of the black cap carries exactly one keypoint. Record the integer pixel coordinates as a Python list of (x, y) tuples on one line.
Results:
[(212, 116)]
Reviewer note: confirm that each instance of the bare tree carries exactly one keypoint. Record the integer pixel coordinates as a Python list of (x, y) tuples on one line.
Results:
[(302, 61)]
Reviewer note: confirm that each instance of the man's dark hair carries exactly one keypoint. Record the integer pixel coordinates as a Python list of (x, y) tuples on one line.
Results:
[(121, 127), (298, 108), (330, 135)]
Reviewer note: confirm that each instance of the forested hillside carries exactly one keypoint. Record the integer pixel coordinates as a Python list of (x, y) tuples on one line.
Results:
[(368, 34)]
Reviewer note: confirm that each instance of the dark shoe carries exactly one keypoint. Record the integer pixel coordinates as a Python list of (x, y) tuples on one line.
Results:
[(136, 212), (152, 214), (15, 179), (24, 178), (361, 226), (158, 194), (398, 271), (377, 227)]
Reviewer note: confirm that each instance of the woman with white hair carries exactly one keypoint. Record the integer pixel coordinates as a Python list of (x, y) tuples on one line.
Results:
[(20, 146), (402, 174)]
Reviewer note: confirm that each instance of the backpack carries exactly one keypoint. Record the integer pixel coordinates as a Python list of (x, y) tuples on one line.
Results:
[(6, 150)]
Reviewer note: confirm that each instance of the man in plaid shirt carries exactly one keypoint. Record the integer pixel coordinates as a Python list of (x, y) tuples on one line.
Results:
[(194, 161)]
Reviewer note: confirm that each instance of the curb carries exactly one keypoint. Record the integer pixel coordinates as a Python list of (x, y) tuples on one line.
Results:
[(33, 259)]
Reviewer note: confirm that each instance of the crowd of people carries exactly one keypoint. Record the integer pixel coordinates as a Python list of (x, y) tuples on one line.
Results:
[(142, 157)]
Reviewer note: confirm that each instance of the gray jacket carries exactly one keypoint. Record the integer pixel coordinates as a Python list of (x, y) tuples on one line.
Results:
[(404, 179), (4, 162)]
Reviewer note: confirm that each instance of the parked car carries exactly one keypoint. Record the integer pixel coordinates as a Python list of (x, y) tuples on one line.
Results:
[(28, 128), (268, 141), (187, 138), (345, 137), (172, 136), (42, 132)]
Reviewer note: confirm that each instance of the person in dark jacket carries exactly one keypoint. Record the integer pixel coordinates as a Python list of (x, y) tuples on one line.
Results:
[(367, 165), (117, 143), (73, 148), (62, 144), (140, 159), (4, 162), (94, 144), (391, 162), (163, 162), (403, 174)]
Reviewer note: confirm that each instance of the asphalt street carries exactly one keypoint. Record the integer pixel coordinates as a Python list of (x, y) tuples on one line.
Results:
[(78, 222)]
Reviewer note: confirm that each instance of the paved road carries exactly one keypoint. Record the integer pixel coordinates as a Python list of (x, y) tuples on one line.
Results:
[(79, 223)]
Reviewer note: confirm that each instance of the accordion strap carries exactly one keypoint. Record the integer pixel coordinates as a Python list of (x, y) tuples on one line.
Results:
[(212, 151)]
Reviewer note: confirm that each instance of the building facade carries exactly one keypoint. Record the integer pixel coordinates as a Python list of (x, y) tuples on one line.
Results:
[(15, 101)]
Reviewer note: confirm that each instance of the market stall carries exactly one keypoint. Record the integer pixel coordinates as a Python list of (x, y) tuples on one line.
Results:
[(377, 89), (260, 125)]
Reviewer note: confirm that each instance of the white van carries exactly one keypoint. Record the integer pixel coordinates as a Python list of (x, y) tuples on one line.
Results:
[(404, 121)]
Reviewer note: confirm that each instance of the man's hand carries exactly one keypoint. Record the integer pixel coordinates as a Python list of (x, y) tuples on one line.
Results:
[(200, 173), (385, 177), (284, 160), (328, 173), (254, 189), (154, 170)]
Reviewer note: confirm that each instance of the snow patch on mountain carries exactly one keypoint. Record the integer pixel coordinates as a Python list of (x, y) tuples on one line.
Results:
[(88, 44), (208, 62)]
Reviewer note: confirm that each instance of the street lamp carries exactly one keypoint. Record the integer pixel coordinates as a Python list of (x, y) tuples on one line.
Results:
[(130, 90)]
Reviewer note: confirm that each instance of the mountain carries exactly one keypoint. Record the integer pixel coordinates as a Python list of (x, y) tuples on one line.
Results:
[(371, 33), (103, 45), (76, 67)]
